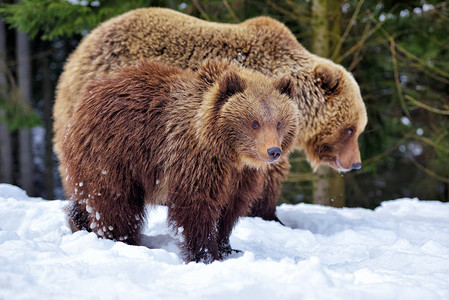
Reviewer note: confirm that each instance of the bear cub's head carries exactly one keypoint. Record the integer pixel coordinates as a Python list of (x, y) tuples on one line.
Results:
[(254, 115)]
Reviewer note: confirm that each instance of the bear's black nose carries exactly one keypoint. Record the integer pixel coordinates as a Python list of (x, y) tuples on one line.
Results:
[(274, 152), (356, 166)]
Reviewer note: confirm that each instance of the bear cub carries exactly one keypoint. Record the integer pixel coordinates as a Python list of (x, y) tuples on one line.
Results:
[(200, 142)]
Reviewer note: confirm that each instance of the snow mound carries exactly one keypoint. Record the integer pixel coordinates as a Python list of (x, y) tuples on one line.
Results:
[(10, 191), (398, 251)]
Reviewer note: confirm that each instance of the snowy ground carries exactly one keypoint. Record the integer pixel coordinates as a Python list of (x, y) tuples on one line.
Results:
[(398, 251)]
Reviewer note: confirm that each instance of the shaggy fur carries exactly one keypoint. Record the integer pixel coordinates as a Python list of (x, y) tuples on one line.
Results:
[(200, 142), (332, 112)]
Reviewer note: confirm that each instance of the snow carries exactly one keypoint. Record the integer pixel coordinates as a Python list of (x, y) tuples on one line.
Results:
[(398, 251)]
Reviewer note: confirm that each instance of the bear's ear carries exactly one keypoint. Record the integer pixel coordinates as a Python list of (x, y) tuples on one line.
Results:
[(328, 79), (230, 83), (286, 86)]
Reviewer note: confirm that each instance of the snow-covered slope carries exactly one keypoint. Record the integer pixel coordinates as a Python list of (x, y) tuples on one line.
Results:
[(398, 251)]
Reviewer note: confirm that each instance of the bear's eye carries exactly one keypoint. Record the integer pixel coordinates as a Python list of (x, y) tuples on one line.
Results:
[(255, 125), (349, 131), (278, 126)]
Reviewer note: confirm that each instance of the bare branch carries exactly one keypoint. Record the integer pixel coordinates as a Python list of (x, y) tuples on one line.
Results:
[(429, 73), (421, 61), (385, 153), (298, 177), (428, 171), (442, 135), (362, 40), (396, 78), (231, 11), (292, 13), (427, 107), (346, 32), (203, 13), (431, 143)]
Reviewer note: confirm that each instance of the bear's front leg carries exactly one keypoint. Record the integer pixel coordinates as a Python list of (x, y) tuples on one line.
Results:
[(196, 217), (116, 216), (265, 206), (239, 206), (248, 186)]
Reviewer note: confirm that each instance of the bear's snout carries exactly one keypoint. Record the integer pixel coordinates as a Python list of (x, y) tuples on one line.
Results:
[(274, 153), (356, 166)]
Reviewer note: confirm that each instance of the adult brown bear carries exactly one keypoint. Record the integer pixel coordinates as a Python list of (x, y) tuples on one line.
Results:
[(200, 142), (332, 112)]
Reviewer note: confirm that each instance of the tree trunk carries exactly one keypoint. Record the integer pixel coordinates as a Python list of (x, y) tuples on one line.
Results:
[(6, 160), (329, 186), (48, 104), (320, 27), (24, 83), (334, 7)]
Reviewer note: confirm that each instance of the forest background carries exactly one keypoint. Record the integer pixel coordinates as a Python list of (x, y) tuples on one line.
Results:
[(398, 51)]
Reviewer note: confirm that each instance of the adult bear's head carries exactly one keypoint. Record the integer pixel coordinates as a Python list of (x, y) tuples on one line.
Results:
[(333, 116)]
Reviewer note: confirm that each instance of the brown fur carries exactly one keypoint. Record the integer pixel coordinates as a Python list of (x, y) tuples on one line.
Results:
[(159, 134), (327, 95)]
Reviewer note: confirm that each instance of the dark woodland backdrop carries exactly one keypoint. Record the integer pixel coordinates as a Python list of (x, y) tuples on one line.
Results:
[(397, 50)]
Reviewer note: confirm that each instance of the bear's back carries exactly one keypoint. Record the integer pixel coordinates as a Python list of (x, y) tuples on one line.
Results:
[(171, 37)]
